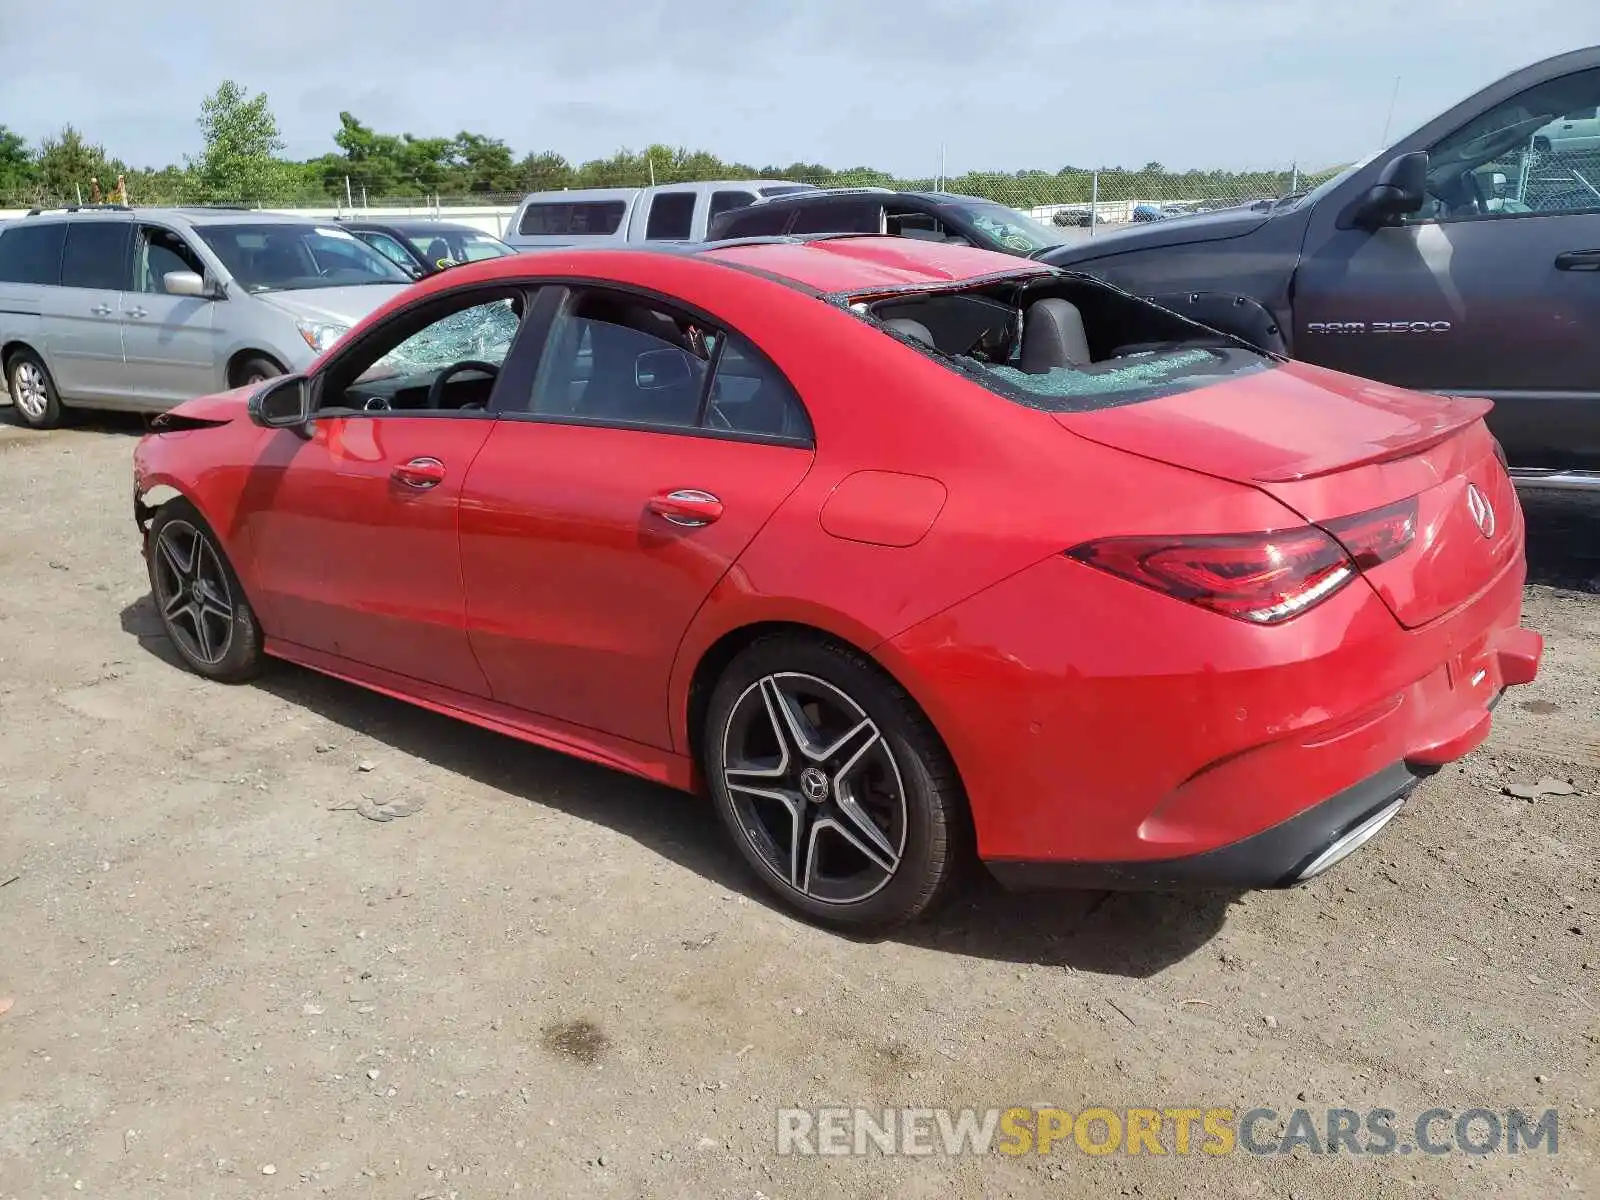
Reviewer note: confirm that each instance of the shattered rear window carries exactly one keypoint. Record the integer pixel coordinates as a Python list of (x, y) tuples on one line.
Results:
[(1102, 347), (1128, 379)]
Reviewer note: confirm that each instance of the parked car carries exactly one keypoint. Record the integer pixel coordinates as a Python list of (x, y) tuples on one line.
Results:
[(1463, 259), (423, 247), (122, 308), (1147, 212), (1127, 601), (926, 216), (1075, 216), (672, 212)]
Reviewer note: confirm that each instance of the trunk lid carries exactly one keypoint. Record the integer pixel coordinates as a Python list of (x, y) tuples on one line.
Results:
[(1329, 446)]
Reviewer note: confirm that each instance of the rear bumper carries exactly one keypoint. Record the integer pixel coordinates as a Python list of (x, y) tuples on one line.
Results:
[(1292, 852)]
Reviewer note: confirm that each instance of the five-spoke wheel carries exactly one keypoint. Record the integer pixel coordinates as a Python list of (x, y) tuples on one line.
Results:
[(833, 784), (202, 605)]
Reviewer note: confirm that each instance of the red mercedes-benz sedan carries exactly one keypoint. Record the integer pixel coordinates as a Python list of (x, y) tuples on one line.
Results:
[(899, 549)]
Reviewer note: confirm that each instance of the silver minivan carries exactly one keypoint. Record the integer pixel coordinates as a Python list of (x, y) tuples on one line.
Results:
[(145, 308), (668, 212)]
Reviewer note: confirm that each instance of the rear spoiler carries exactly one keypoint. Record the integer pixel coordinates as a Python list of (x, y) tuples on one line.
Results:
[(1460, 412)]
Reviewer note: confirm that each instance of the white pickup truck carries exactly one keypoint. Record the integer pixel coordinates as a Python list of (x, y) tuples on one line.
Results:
[(669, 212)]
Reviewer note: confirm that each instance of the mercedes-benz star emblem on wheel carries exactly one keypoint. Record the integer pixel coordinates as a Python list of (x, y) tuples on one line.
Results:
[(814, 785), (1480, 508)]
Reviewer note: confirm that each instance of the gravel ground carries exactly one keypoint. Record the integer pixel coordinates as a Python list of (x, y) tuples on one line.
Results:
[(225, 978)]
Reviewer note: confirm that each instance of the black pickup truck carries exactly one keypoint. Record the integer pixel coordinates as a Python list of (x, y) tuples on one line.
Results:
[(1463, 259)]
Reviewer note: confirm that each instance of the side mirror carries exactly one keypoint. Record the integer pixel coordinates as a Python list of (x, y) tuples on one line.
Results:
[(185, 283), (657, 369), (282, 403), (1402, 188)]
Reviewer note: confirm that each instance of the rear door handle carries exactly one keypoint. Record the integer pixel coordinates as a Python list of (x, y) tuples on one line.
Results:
[(101, 310), (1578, 260), (687, 507), (137, 312), (420, 473)]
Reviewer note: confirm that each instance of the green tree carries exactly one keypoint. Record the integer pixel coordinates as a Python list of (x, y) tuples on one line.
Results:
[(239, 160), (16, 165), (66, 165), (371, 160), (546, 172), (482, 164)]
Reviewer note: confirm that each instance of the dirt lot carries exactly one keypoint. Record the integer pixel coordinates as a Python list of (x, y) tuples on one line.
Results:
[(225, 980)]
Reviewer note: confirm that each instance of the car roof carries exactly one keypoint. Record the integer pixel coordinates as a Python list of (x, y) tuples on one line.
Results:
[(191, 216), (411, 227), (858, 264)]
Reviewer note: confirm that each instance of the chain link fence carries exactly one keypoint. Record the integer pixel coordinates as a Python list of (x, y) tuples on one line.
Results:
[(1069, 198)]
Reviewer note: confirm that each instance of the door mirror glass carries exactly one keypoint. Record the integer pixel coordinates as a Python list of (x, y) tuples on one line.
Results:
[(283, 403), (1401, 189), (655, 370), (184, 283)]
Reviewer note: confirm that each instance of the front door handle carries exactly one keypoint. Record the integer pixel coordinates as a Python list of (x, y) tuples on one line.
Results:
[(420, 473), (137, 312), (1578, 260), (686, 506), (101, 310)]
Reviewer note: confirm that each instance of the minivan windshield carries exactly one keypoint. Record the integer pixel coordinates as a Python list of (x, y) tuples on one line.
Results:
[(264, 257)]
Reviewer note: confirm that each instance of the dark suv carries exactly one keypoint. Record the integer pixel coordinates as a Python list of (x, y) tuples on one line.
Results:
[(929, 216), (1464, 259)]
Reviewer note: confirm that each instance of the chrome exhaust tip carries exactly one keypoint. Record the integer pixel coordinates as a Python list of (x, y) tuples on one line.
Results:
[(1349, 842)]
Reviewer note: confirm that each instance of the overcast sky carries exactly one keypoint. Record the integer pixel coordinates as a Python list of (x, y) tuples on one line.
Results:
[(1004, 84)]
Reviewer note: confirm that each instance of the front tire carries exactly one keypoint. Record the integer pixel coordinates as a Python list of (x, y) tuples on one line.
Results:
[(257, 369), (33, 392), (198, 596), (833, 784)]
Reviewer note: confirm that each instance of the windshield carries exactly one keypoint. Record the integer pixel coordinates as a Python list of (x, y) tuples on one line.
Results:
[(446, 247), (1006, 228), (291, 257), (481, 333)]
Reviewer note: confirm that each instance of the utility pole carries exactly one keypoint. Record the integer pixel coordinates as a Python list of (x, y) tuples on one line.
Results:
[(349, 200), (938, 184)]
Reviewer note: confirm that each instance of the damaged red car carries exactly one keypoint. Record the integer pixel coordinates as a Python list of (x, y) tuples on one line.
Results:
[(901, 551)]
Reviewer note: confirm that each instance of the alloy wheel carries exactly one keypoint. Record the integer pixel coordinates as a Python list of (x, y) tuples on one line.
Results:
[(29, 392), (191, 589), (815, 788)]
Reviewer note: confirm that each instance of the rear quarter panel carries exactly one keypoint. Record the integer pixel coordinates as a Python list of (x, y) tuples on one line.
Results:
[(1019, 488)]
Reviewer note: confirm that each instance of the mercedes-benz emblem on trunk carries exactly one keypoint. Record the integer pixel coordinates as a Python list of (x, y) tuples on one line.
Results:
[(1482, 512)]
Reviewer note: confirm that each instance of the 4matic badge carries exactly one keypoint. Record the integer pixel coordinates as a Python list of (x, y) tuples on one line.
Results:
[(1378, 327)]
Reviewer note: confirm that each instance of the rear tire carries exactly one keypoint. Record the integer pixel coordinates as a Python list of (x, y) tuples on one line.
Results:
[(198, 596), (33, 392), (833, 784)]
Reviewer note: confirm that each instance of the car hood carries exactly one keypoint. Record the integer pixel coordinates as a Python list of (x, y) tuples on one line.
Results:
[(1174, 231), (205, 411), (338, 305)]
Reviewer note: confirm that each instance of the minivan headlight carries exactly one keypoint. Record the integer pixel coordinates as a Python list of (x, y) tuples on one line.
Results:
[(319, 335)]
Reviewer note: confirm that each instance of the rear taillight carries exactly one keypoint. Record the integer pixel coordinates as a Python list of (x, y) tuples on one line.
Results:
[(1500, 453), (1377, 536), (1263, 578)]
